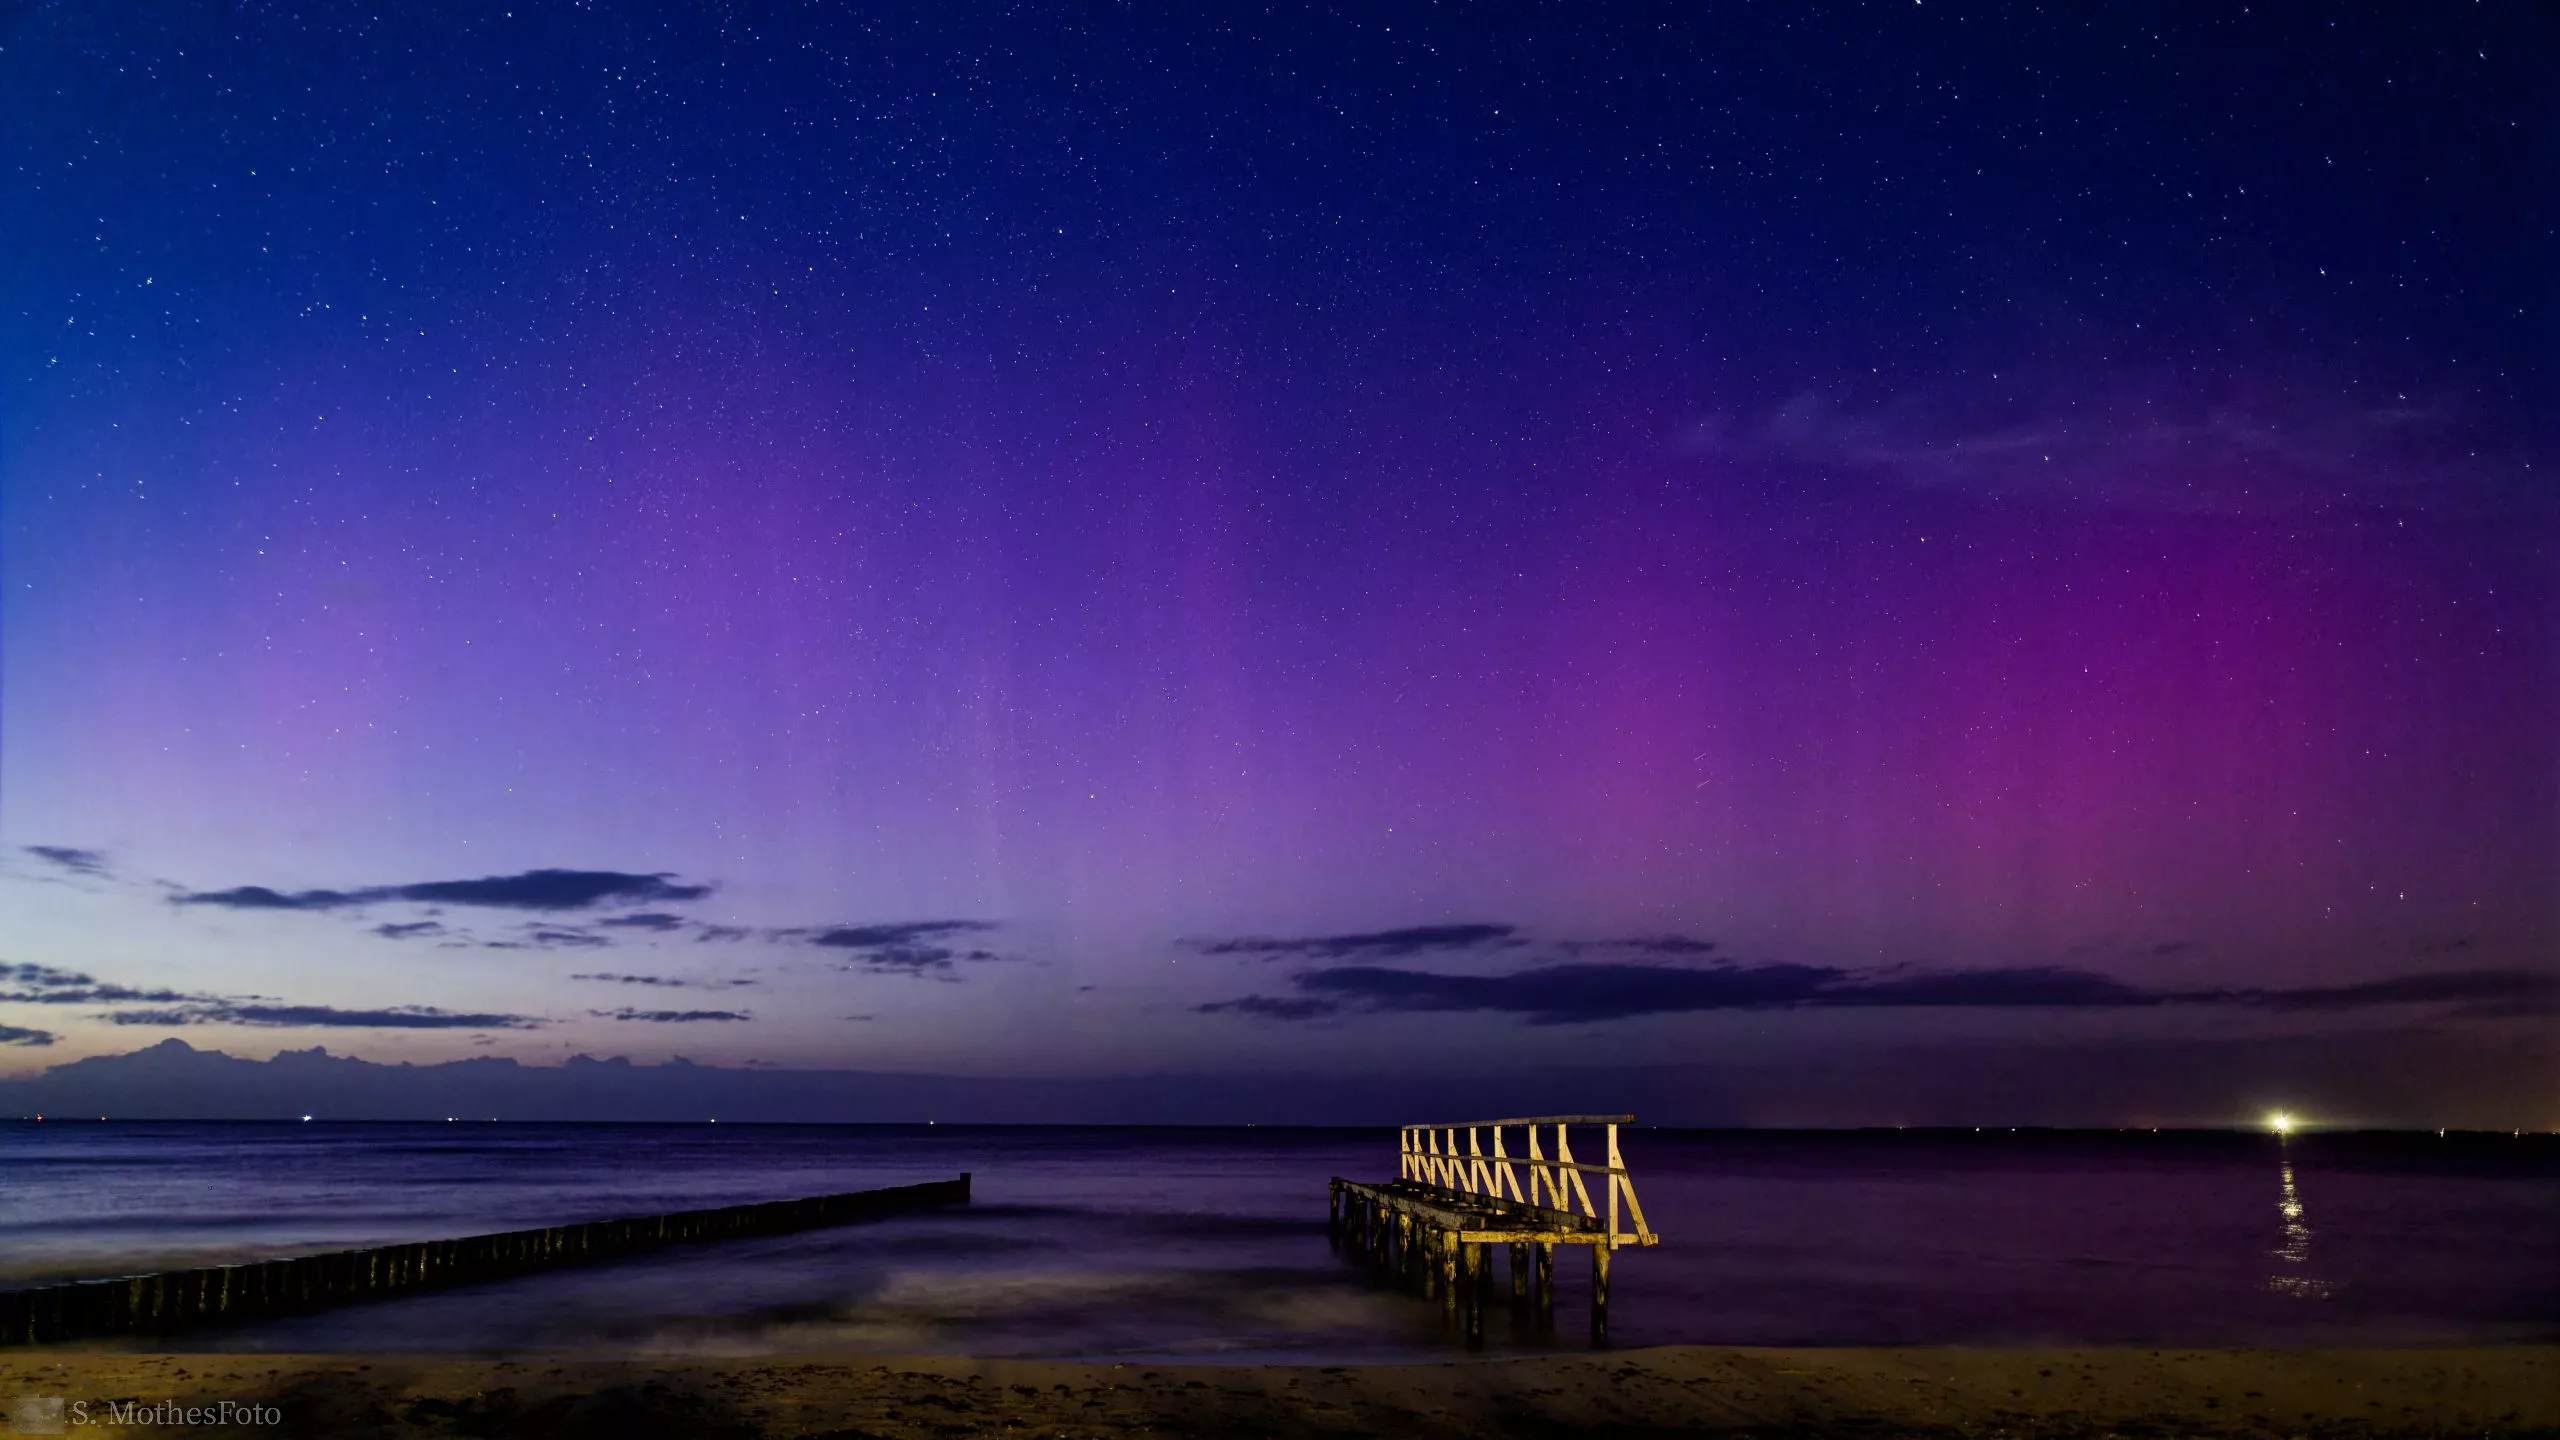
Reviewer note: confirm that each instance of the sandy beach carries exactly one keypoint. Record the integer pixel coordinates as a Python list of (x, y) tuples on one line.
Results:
[(2501, 1390)]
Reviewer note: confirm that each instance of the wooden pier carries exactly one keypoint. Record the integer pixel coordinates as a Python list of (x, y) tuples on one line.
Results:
[(1435, 1225), (182, 1299)]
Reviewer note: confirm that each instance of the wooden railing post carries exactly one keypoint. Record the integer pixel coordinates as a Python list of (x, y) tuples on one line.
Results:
[(1617, 1172)]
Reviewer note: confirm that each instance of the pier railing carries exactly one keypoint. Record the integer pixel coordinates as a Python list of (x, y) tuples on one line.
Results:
[(1432, 1155)]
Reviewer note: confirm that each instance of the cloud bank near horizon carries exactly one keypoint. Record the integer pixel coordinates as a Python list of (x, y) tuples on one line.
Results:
[(1587, 992)]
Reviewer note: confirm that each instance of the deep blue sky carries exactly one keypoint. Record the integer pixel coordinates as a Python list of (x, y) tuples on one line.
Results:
[(1104, 540)]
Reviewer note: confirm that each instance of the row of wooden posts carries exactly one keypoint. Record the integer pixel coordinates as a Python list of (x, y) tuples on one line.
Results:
[(1432, 1260), (181, 1299)]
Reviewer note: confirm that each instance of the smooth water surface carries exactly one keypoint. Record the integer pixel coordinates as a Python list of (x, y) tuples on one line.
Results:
[(1212, 1243)]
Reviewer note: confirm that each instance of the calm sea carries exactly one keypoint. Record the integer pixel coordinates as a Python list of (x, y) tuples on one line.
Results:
[(1211, 1243)]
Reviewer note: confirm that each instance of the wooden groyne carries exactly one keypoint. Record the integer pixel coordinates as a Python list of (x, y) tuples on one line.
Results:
[(180, 1299), (1434, 1227)]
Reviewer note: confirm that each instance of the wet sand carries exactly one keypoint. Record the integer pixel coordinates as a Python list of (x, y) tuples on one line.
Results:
[(2496, 1390)]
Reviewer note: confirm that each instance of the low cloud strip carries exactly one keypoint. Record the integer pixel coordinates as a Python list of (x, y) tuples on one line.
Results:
[(529, 890), (1572, 993), (398, 1017)]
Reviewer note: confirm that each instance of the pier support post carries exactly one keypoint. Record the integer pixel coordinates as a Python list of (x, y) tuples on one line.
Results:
[(1519, 1276), (1599, 1294), (1333, 1215), (1448, 1248), (1544, 1281), (1479, 1261)]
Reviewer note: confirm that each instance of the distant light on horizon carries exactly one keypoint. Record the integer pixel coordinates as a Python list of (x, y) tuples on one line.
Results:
[(2280, 1122)]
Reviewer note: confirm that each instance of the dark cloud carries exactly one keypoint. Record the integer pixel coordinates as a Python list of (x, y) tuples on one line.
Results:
[(97, 995), (1384, 944), (663, 981), (554, 890), (398, 1017), (1273, 1007), (1569, 993), (658, 920), (85, 862), (44, 975), (867, 937), (720, 932), (910, 948), (1998, 989), (570, 939), (916, 959), (45, 985), (531, 890), (1560, 994), (670, 1017), (2484, 992), (22, 1035), (259, 897), (1646, 945), (403, 932)]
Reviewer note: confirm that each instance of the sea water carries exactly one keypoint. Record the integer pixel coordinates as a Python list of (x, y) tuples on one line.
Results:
[(1212, 1244)]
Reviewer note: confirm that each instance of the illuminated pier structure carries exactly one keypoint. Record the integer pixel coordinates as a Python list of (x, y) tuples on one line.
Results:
[(1434, 1227)]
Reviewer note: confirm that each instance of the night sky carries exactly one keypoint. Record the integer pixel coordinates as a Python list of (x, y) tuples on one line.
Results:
[(1109, 540)]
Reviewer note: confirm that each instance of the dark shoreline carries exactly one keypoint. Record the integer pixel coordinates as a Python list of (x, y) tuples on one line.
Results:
[(2473, 1390)]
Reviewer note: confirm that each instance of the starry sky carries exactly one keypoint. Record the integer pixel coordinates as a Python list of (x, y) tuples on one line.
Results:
[(1129, 539)]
